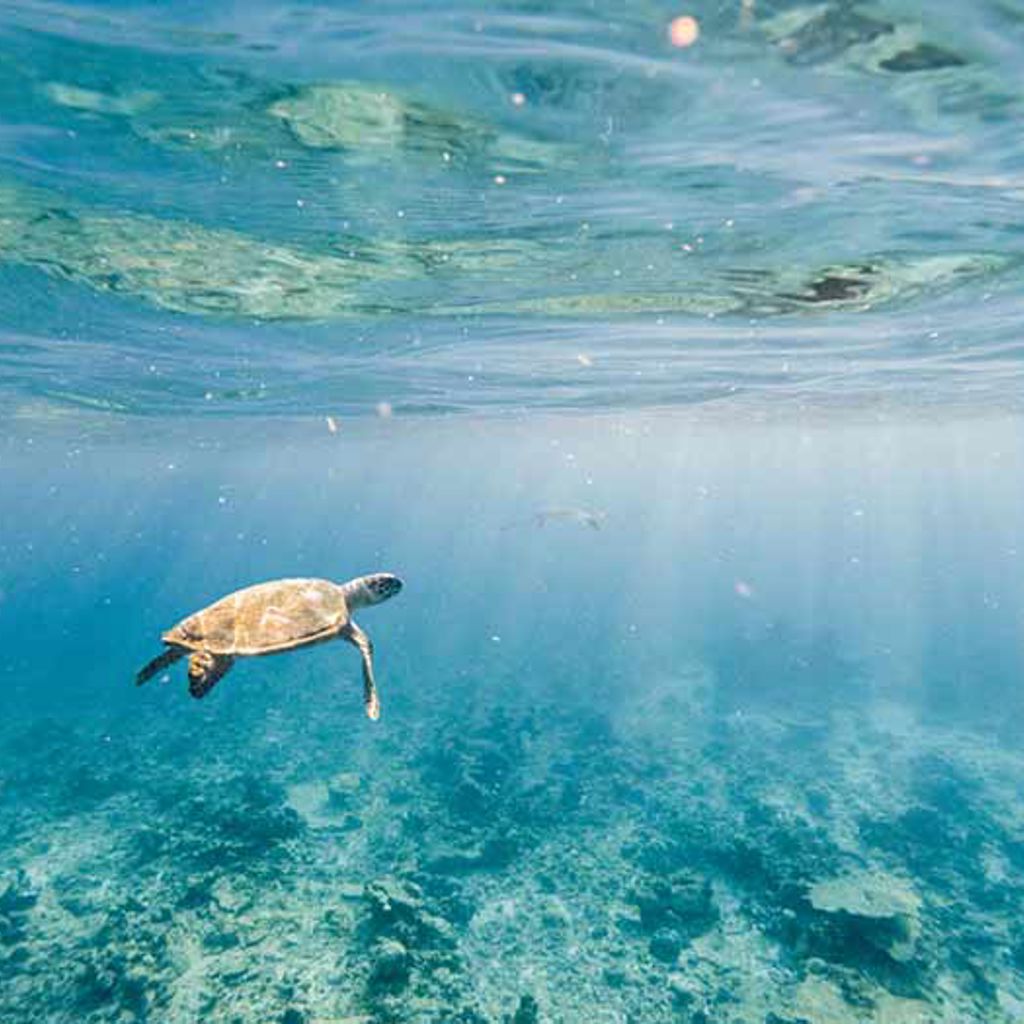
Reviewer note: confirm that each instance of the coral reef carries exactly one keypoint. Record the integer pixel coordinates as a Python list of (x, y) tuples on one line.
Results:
[(529, 862)]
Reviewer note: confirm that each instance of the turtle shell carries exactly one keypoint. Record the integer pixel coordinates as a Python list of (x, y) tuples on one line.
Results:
[(268, 617)]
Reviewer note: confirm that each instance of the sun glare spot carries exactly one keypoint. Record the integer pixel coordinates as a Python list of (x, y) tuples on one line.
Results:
[(683, 31)]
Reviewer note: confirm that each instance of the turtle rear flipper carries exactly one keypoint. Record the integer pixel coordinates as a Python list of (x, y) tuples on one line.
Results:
[(204, 672), (158, 664)]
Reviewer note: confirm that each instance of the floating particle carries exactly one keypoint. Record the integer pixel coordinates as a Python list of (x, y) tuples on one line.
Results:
[(683, 31), (384, 410), (500, 179), (584, 360), (518, 99), (332, 424), (744, 589)]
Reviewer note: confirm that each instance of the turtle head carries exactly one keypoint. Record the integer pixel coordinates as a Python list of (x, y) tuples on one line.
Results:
[(372, 589)]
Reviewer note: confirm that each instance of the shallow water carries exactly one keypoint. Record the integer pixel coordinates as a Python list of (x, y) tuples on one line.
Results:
[(681, 385)]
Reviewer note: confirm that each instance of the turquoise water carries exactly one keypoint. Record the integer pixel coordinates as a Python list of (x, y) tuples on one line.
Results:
[(681, 385)]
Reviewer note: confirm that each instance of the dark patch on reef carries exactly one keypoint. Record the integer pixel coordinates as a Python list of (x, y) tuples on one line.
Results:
[(240, 819)]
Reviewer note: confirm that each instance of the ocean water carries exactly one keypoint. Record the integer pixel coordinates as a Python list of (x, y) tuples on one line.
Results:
[(675, 367)]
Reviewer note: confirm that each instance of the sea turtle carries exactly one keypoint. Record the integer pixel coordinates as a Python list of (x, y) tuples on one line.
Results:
[(271, 617)]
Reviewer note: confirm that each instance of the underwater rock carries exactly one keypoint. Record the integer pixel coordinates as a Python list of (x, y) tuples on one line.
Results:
[(682, 902), (873, 907), (232, 895), (392, 901), (666, 944), (527, 1012), (684, 992), (219, 941), (19, 895), (656, 853), (447, 897), (410, 946), (397, 909), (391, 964), (116, 985)]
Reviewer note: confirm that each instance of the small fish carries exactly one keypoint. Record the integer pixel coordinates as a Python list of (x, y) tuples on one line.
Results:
[(595, 520)]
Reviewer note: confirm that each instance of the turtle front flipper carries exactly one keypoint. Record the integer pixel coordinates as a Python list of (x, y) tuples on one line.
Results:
[(158, 664), (205, 671), (355, 636)]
